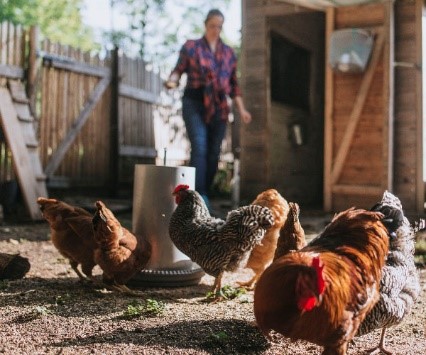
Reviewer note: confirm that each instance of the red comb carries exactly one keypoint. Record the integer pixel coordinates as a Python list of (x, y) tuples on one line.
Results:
[(180, 188)]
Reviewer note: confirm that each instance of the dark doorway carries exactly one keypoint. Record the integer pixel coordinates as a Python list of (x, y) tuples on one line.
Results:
[(297, 60)]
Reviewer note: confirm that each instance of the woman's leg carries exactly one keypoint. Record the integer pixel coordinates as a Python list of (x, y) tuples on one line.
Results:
[(193, 115), (215, 133)]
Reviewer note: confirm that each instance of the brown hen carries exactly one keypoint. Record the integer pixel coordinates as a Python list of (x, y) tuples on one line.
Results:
[(323, 292), (71, 233), (119, 253), (262, 254), (292, 234)]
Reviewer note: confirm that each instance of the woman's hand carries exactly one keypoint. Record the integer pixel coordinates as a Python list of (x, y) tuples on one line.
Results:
[(173, 81), (245, 116)]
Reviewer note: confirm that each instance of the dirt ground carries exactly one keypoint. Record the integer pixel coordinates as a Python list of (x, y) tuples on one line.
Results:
[(51, 312)]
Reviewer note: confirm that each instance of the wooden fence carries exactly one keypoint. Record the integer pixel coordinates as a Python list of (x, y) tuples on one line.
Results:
[(95, 117), (12, 43)]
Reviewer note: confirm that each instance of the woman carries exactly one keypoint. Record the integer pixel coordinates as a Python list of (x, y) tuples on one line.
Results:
[(211, 68)]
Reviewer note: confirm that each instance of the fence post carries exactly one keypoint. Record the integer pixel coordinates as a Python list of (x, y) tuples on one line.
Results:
[(114, 131), (32, 68)]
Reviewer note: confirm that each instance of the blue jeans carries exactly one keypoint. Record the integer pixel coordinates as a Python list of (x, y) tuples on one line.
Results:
[(206, 140)]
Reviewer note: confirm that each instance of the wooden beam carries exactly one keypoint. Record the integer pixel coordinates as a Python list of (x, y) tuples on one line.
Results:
[(21, 158), (11, 71), (420, 41), (63, 147), (310, 4), (65, 63), (358, 190), (328, 113), (114, 165), (357, 109), (137, 151), (138, 94), (32, 68), (388, 96)]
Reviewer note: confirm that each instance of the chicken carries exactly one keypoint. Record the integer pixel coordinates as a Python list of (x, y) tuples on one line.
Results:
[(399, 285), (292, 234), (322, 292), (71, 233), (13, 266), (262, 254), (119, 253), (214, 244)]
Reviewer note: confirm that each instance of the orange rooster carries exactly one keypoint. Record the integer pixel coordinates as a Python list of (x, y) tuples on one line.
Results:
[(71, 233), (323, 292), (119, 253), (262, 254)]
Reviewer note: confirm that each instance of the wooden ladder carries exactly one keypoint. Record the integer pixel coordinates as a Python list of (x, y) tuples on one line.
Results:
[(18, 127)]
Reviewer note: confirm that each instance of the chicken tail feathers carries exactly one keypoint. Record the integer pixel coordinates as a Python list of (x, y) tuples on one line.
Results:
[(391, 208)]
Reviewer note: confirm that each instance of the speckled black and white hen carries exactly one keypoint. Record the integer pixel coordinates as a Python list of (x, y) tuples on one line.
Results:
[(399, 284), (214, 244)]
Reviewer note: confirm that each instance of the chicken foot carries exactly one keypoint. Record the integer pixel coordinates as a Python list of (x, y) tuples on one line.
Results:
[(249, 285), (381, 347), (82, 277), (216, 290), (124, 289)]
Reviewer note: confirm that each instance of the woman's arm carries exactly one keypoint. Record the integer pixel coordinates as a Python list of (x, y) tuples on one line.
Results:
[(244, 114)]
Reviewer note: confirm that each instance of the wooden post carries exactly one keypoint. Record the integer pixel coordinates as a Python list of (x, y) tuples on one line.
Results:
[(114, 131), (32, 68), (328, 114)]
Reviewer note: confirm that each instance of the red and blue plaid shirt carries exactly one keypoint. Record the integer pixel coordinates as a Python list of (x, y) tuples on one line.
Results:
[(215, 72)]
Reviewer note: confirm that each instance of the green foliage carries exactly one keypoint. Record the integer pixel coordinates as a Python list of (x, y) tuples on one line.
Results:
[(58, 20), (147, 308), (40, 311), (158, 28), (220, 337), (227, 292)]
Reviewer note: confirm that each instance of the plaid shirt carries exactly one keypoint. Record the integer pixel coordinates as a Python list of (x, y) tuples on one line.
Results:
[(215, 72)]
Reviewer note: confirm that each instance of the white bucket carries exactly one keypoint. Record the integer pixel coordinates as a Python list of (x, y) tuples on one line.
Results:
[(153, 205)]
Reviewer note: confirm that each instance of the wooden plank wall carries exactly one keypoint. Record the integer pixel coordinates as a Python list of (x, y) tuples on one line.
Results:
[(408, 127), (369, 135), (12, 39), (136, 127), (63, 94), (255, 84)]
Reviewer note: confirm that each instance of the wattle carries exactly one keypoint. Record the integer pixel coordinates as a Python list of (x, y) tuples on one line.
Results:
[(306, 303)]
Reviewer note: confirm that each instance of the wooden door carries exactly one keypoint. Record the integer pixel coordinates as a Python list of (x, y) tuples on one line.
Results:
[(358, 114)]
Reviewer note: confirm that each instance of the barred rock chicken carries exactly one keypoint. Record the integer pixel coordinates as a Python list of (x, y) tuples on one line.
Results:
[(262, 254), (71, 233), (214, 244), (323, 292), (399, 285), (119, 253), (292, 234)]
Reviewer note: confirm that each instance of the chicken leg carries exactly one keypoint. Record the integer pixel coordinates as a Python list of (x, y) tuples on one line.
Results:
[(381, 347), (217, 284)]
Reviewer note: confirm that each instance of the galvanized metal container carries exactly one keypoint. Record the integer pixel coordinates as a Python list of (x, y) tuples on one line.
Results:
[(153, 205)]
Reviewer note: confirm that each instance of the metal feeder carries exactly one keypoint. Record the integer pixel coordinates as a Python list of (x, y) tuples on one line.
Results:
[(153, 205)]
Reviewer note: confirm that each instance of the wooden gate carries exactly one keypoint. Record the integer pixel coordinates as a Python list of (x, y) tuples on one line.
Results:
[(358, 114)]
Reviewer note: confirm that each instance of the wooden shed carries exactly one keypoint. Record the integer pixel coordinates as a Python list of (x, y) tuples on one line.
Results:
[(324, 138)]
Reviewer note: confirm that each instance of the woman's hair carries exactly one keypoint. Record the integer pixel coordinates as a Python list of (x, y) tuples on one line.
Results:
[(213, 13)]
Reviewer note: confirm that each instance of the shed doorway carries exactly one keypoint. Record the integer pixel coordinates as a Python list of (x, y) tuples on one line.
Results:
[(296, 101)]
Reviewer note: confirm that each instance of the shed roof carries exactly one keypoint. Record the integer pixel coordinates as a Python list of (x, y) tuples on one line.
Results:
[(323, 4)]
